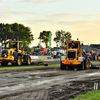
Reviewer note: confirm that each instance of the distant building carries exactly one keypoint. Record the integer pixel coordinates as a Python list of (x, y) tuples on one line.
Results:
[(95, 46), (86, 47)]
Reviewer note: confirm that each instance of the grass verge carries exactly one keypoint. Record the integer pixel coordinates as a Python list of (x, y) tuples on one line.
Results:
[(19, 67), (88, 96), (98, 62)]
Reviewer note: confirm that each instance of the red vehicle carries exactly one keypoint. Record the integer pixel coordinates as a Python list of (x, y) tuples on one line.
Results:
[(44, 51)]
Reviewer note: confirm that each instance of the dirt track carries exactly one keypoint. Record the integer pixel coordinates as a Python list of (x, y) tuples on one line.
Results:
[(46, 83)]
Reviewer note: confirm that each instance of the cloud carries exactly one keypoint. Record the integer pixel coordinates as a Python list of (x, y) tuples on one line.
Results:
[(92, 15), (20, 12), (6, 14), (44, 1), (69, 15), (66, 15)]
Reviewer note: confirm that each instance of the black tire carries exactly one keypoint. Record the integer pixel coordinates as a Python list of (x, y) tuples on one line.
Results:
[(81, 67), (87, 63), (4, 63), (19, 61), (62, 66), (28, 62), (13, 64), (70, 67)]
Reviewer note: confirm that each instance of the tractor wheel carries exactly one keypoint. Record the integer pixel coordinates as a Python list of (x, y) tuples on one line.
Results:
[(87, 63), (28, 62), (70, 67), (13, 64), (81, 67), (62, 66), (4, 63), (19, 61)]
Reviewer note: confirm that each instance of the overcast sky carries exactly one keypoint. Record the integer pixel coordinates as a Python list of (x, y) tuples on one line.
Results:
[(80, 17)]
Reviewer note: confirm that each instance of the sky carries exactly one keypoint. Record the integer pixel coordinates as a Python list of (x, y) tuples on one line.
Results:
[(79, 17)]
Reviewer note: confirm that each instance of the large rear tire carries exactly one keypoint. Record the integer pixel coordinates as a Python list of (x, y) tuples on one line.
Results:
[(87, 63), (62, 66)]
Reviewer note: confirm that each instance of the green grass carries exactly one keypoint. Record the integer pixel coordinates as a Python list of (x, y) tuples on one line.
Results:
[(88, 96), (98, 62), (20, 67)]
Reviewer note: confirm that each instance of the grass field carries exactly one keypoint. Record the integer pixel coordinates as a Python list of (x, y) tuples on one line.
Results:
[(96, 62), (20, 67), (88, 96)]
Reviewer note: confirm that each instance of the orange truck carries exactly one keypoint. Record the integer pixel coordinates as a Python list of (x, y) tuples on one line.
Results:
[(75, 57)]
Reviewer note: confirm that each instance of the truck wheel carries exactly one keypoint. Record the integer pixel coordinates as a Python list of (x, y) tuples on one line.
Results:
[(13, 64), (62, 66), (81, 67), (87, 63), (28, 62), (19, 61), (4, 63)]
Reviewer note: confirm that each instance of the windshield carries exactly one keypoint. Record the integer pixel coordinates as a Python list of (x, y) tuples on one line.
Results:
[(10, 45), (75, 45)]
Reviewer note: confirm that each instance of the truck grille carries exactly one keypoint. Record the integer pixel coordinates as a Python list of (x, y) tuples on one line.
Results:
[(4, 53), (71, 54)]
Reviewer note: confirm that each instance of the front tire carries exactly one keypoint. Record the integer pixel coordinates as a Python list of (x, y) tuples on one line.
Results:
[(81, 67), (62, 66), (19, 61), (4, 63)]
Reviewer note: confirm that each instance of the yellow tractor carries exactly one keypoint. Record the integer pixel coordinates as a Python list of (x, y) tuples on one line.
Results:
[(14, 53), (75, 57)]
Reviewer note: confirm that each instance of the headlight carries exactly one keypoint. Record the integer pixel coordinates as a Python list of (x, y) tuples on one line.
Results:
[(5, 55)]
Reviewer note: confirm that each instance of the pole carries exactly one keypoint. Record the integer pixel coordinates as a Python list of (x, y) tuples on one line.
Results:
[(50, 42)]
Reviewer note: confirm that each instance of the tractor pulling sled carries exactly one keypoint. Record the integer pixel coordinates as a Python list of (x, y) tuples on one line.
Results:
[(75, 57)]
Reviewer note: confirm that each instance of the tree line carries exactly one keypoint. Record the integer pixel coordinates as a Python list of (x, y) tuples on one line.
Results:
[(15, 30)]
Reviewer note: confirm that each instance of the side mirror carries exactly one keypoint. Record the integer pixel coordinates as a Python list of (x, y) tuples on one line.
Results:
[(82, 44)]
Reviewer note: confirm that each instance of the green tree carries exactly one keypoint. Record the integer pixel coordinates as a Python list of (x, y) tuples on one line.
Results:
[(12, 31), (58, 36), (22, 32), (2, 35), (44, 37), (62, 37)]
